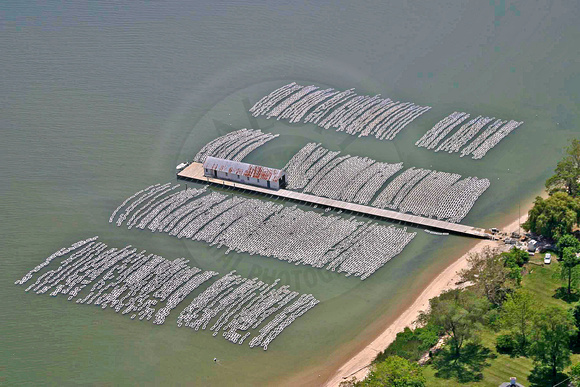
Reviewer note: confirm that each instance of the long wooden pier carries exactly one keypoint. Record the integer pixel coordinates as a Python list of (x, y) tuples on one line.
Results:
[(194, 172)]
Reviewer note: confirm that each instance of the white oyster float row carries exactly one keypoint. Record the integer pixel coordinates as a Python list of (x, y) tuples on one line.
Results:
[(235, 145), (345, 111), (424, 192), (434, 138), (254, 226), (149, 286)]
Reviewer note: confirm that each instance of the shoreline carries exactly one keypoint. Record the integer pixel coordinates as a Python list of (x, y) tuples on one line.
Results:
[(358, 365)]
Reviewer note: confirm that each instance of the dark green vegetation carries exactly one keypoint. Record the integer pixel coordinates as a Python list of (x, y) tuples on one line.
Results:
[(459, 314), (575, 374), (567, 174), (532, 335), (494, 329), (494, 276), (553, 217), (518, 315), (514, 317), (393, 371), (560, 212), (412, 344), (569, 272), (552, 331)]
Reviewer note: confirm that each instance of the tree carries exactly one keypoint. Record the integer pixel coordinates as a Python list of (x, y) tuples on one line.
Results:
[(518, 313), (550, 347), (459, 314), (568, 269), (568, 240), (514, 260), (567, 171), (489, 275), (515, 256), (395, 371), (576, 317), (411, 345), (554, 216), (575, 375)]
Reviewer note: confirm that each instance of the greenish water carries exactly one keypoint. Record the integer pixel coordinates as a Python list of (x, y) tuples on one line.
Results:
[(100, 99)]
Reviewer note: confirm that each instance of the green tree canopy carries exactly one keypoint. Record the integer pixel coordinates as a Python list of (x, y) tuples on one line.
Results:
[(567, 173), (569, 272), (395, 371), (552, 330), (575, 375), (568, 240), (554, 216), (490, 276), (518, 313), (515, 256), (576, 338), (514, 260), (459, 313), (411, 344)]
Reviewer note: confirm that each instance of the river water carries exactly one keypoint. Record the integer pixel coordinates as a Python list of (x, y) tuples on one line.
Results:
[(101, 99)]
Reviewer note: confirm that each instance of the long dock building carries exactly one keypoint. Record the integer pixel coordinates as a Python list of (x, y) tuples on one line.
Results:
[(244, 173), (268, 181)]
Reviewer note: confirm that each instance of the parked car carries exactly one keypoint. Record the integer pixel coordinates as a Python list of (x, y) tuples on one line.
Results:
[(547, 258), (509, 241)]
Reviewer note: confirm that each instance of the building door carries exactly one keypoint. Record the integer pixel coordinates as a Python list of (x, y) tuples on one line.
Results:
[(268, 182), (214, 173)]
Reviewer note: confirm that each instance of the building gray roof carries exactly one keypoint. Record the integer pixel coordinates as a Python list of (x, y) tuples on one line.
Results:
[(242, 169)]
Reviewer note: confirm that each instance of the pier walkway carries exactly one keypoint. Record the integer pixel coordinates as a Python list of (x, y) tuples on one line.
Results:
[(194, 172)]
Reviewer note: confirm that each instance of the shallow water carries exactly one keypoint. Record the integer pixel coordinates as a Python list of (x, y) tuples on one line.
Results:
[(101, 99)]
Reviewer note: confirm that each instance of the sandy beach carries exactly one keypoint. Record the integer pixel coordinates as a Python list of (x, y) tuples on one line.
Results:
[(357, 366)]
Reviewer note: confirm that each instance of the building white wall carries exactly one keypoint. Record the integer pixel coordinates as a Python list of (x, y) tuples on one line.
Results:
[(242, 179)]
